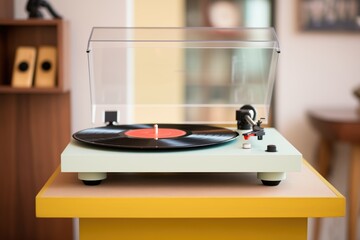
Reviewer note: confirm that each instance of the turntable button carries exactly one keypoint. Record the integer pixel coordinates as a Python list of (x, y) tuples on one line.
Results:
[(271, 148), (246, 145)]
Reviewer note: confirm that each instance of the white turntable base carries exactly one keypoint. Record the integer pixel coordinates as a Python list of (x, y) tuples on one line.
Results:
[(93, 163)]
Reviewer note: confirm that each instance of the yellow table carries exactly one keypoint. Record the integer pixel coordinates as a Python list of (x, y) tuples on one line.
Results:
[(191, 206)]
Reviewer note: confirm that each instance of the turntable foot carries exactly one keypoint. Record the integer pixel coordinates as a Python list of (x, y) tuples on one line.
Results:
[(271, 178), (91, 183), (270, 183), (91, 179)]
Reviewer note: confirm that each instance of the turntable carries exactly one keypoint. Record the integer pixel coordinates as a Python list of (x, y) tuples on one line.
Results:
[(162, 97)]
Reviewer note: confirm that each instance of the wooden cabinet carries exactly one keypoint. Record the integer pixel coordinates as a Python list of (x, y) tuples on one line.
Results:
[(34, 129)]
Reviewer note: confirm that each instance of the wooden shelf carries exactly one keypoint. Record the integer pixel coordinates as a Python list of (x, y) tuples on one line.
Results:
[(15, 33), (33, 90), (29, 22)]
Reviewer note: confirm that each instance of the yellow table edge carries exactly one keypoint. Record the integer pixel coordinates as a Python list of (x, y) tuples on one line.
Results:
[(189, 207)]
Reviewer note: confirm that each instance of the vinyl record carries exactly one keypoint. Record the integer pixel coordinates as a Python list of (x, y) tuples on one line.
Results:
[(156, 137)]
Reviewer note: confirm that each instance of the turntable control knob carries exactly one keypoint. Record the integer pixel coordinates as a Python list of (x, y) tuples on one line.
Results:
[(271, 148)]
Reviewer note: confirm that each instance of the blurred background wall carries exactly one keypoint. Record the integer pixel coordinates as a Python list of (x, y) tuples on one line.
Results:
[(316, 69)]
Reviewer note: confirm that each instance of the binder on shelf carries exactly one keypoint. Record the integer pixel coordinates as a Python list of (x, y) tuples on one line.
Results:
[(46, 67), (24, 65)]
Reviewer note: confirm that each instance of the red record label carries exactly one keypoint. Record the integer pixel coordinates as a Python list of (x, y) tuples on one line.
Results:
[(151, 133)]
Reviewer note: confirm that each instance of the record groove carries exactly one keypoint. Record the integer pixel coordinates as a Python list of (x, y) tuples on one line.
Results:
[(167, 137)]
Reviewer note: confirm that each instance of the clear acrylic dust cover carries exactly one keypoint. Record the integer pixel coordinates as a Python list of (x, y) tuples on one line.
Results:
[(180, 75)]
